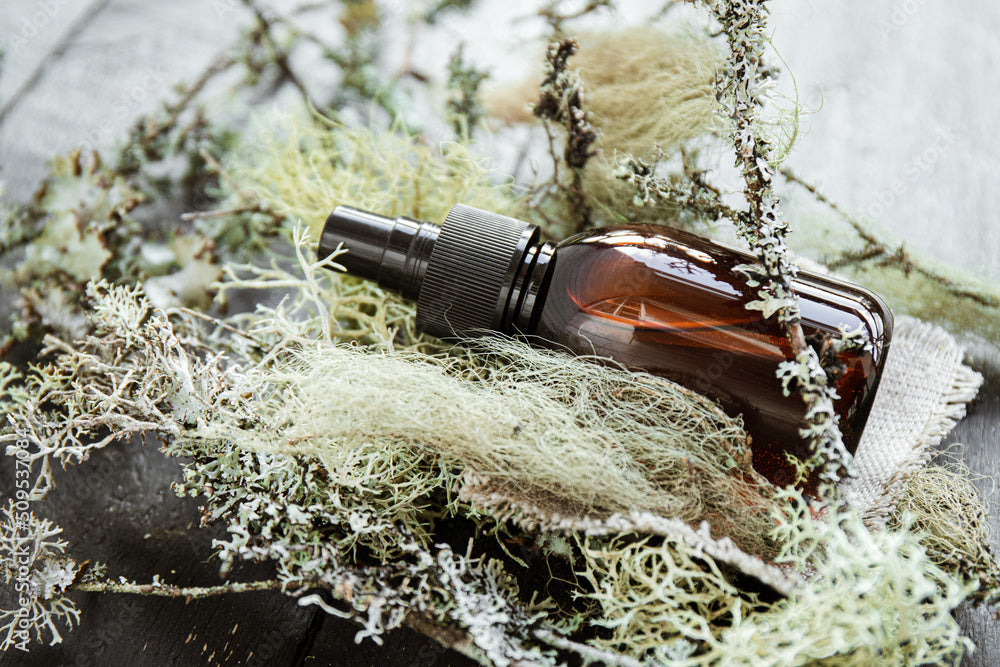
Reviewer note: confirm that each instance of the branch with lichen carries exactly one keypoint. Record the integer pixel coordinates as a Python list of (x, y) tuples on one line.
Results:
[(464, 80), (741, 88), (156, 588), (555, 16), (561, 103), (693, 194), (881, 252)]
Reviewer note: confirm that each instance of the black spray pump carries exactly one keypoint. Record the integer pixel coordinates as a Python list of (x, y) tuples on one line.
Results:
[(468, 276), (650, 297)]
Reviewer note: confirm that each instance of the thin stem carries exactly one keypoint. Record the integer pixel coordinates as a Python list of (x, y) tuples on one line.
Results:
[(279, 55), (878, 250), (189, 592), (587, 652)]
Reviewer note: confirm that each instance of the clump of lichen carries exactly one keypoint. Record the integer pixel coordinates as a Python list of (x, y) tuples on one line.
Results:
[(32, 556), (639, 89), (78, 228), (306, 167), (943, 505), (646, 87), (869, 598)]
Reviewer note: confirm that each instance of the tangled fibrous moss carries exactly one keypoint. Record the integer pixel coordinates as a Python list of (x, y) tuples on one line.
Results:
[(306, 166), (640, 87), (871, 598), (648, 86), (943, 505), (644, 86)]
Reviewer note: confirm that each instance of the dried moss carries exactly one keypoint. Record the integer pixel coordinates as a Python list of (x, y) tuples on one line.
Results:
[(304, 167), (648, 86), (943, 505), (870, 598)]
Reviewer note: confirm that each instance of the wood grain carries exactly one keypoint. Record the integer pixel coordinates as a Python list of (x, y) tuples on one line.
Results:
[(979, 433)]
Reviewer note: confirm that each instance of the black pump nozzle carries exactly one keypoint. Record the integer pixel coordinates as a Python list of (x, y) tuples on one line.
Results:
[(393, 253), (461, 273)]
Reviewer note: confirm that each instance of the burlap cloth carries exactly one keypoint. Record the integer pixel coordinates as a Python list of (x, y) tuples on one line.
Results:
[(923, 394)]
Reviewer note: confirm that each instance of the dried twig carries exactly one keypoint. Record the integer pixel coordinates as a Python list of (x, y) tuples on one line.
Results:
[(561, 102), (188, 593), (741, 87), (876, 249)]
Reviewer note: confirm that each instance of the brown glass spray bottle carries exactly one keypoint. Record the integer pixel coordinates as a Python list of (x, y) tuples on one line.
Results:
[(650, 297)]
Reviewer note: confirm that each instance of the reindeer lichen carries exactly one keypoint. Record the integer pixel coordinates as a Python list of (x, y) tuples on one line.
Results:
[(38, 572)]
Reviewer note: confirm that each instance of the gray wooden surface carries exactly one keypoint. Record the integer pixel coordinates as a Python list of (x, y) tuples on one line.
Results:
[(980, 433), (908, 92)]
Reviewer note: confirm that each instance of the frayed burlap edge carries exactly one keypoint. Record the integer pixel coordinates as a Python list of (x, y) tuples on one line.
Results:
[(535, 516), (924, 391)]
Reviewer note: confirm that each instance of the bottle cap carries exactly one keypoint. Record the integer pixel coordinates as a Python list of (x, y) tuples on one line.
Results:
[(471, 272)]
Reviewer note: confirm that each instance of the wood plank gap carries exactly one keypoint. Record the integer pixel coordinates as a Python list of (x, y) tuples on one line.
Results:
[(57, 50), (308, 639)]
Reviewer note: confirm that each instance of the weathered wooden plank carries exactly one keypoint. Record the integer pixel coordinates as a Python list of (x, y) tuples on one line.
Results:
[(122, 63), (900, 108), (117, 508), (979, 432), (33, 35), (334, 645)]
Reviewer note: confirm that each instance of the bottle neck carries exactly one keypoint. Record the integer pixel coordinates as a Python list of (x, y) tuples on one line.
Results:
[(528, 291)]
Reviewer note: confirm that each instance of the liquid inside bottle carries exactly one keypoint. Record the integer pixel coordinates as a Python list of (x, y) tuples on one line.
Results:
[(670, 303), (648, 297)]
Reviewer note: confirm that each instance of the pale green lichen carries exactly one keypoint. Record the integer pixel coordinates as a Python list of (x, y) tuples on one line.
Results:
[(306, 167), (34, 566), (870, 598), (945, 507), (645, 86)]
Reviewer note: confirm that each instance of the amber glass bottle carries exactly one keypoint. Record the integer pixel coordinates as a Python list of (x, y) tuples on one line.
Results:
[(650, 297)]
